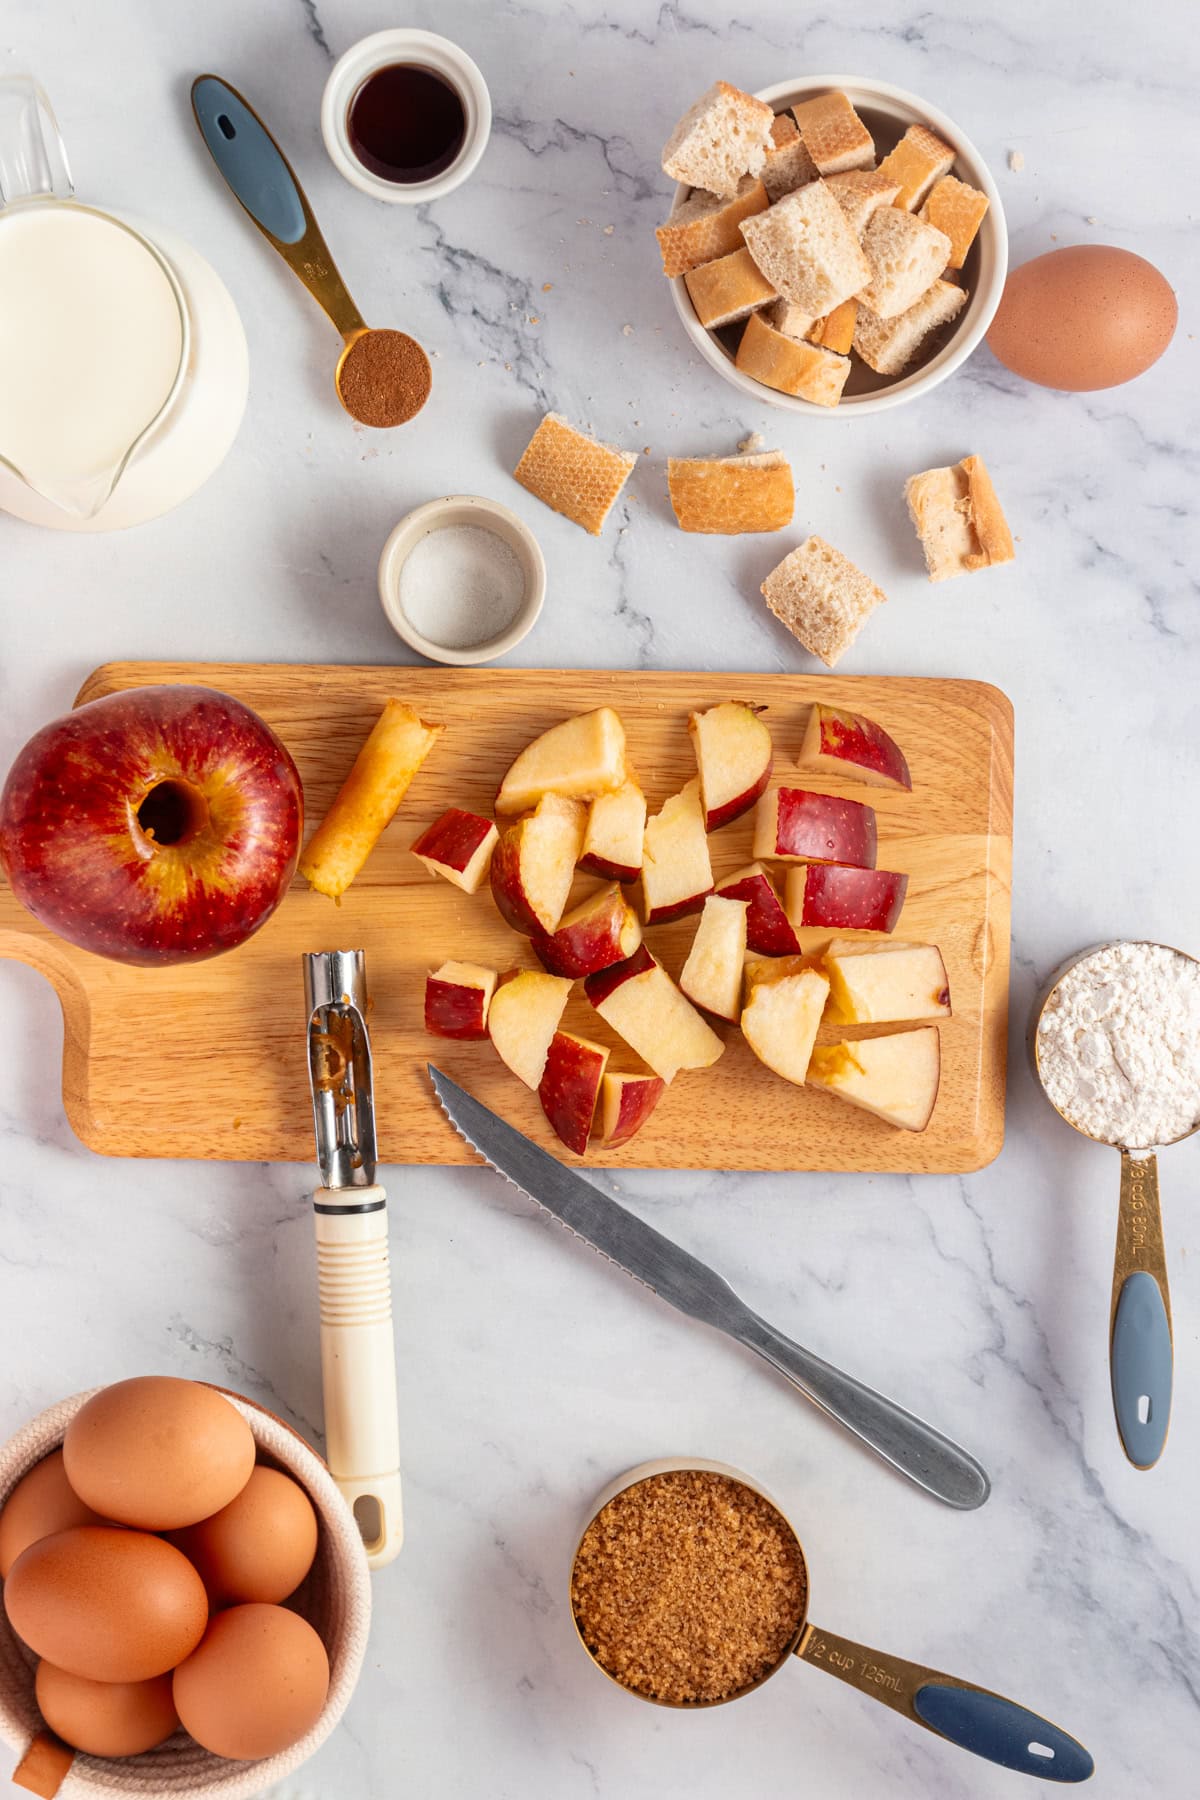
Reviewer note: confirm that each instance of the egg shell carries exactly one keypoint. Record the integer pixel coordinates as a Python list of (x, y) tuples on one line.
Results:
[(259, 1547), (157, 1452), (1085, 317), (41, 1503), (106, 1718), (255, 1685), (108, 1604)]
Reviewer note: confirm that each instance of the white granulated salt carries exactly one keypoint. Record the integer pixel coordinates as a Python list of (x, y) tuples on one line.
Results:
[(1119, 1045), (461, 585)]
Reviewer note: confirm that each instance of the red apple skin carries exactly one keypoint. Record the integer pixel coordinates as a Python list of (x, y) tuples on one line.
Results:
[(570, 1088), (592, 864), (606, 981), (824, 828), (454, 838), (640, 1094), (733, 809), (665, 915), (769, 931), (76, 856), (852, 899), (508, 890), (455, 1011), (843, 737), (595, 941)]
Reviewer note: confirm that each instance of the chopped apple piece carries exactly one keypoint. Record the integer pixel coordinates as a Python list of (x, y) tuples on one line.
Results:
[(626, 1102), (762, 970), (523, 1018), (643, 1005), (459, 847), (601, 930), (835, 899), (768, 929), (882, 984), (712, 974), (457, 998), (676, 873), (534, 864), (580, 758), (781, 1018), (846, 743), (792, 825), (612, 843), (399, 742), (570, 1087), (734, 757), (895, 1077)]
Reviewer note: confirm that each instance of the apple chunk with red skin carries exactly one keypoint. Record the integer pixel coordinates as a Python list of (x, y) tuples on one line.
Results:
[(780, 1020), (769, 931), (849, 744), (712, 974), (734, 757), (523, 1018), (157, 825), (882, 984), (612, 843), (677, 872), (533, 865), (459, 847), (601, 930), (626, 1102), (570, 1087), (794, 825), (836, 899), (579, 759), (896, 1077), (457, 997), (643, 1006)]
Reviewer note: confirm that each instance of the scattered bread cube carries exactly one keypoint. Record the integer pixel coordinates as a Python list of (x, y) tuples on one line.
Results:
[(572, 473), (732, 494), (889, 345), (398, 744), (906, 258), (957, 209), (822, 598), (834, 135), (807, 251), (793, 321), (836, 330), (727, 289), (788, 165), (790, 366), (860, 193), (959, 520), (919, 159), (705, 227), (723, 137)]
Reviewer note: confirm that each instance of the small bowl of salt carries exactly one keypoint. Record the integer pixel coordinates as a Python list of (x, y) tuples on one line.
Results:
[(462, 579)]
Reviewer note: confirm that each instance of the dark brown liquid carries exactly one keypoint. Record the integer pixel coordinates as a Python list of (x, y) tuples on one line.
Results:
[(406, 124)]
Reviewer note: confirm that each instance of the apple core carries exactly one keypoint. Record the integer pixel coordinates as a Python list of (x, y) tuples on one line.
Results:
[(173, 812)]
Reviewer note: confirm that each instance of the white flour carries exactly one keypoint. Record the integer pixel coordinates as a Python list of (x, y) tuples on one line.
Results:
[(1119, 1045)]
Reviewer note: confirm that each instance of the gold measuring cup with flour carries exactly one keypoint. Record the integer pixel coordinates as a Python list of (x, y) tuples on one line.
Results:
[(1115, 1042), (123, 363)]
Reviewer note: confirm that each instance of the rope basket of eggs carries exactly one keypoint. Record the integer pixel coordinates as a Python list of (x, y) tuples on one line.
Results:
[(186, 1595)]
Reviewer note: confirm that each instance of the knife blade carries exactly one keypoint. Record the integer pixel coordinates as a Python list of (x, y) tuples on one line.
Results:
[(912, 1447)]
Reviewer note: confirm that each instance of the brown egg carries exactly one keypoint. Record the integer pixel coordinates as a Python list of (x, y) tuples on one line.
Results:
[(259, 1547), (107, 1604), (1085, 317), (255, 1685), (42, 1501), (106, 1718), (158, 1453)]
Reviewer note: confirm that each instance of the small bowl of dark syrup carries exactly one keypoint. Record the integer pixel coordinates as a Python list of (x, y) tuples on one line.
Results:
[(405, 116)]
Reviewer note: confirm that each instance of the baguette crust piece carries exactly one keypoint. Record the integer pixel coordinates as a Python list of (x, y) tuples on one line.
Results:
[(727, 289), (834, 135), (790, 366), (788, 165), (957, 209), (889, 345), (732, 494), (806, 249), (860, 193), (958, 519), (836, 330), (572, 473), (906, 258), (793, 321), (919, 159), (822, 598), (704, 227), (723, 137)]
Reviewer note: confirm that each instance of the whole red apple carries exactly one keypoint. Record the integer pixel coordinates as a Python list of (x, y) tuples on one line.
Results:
[(157, 825)]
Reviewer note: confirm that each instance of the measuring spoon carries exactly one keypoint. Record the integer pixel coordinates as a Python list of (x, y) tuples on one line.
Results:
[(382, 377)]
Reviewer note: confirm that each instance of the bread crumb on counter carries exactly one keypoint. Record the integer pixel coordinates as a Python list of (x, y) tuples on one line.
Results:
[(1016, 161)]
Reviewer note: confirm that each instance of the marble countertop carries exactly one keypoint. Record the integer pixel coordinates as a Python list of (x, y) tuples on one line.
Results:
[(530, 1371)]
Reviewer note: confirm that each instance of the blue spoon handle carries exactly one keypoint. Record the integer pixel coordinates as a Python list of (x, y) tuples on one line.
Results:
[(1141, 1353)]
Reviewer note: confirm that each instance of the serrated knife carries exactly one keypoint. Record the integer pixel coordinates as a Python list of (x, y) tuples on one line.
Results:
[(906, 1442)]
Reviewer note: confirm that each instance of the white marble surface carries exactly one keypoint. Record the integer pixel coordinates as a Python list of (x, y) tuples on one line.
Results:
[(530, 1371)]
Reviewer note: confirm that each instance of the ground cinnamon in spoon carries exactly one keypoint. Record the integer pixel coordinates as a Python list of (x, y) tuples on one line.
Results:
[(385, 378), (689, 1587)]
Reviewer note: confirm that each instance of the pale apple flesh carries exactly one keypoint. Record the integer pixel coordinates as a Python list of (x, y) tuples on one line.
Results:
[(626, 1102), (837, 899), (457, 998), (458, 847), (883, 984), (677, 870), (734, 758), (794, 825), (769, 931), (643, 1006), (523, 1017), (533, 865), (849, 744), (712, 974), (762, 970), (612, 843), (896, 1077), (579, 759), (780, 1021), (601, 930), (570, 1087)]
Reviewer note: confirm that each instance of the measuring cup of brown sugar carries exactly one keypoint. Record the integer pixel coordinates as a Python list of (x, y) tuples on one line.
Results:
[(689, 1588)]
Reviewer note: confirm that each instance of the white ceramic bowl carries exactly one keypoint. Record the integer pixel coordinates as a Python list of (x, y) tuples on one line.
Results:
[(428, 51), (463, 509), (887, 112)]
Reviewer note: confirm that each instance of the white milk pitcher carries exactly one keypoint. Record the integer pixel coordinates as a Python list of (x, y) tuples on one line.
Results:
[(123, 365)]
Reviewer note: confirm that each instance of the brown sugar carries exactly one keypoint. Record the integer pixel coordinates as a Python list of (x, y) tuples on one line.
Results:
[(384, 378), (689, 1587)]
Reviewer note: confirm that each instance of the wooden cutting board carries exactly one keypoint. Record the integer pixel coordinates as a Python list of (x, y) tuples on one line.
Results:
[(208, 1059)]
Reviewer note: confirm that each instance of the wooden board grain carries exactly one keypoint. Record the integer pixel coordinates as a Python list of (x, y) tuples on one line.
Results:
[(208, 1059)]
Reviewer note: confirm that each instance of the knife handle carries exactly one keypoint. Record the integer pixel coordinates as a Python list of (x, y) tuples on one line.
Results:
[(899, 1437)]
